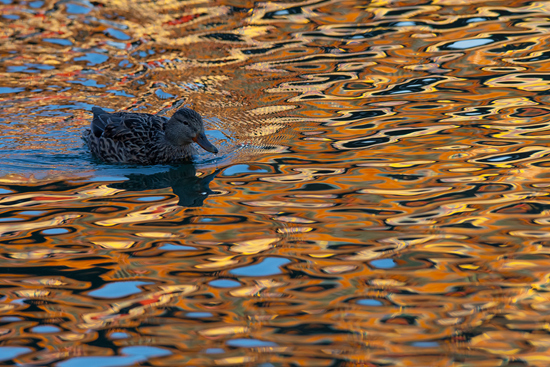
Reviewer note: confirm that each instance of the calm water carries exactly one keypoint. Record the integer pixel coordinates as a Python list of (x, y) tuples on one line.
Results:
[(381, 196)]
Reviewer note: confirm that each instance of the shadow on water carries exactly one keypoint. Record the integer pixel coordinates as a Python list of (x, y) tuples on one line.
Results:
[(191, 189)]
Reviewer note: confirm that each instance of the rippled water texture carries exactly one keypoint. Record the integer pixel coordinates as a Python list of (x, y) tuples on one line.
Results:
[(381, 196)]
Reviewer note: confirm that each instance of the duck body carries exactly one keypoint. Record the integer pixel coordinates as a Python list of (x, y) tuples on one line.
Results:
[(142, 138)]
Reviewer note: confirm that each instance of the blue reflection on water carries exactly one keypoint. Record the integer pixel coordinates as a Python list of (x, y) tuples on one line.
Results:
[(93, 58), (151, 198), (4, 90), (10, 319), (172, 247), (31, 212), (241, 168), (12, 352), (86, 82), (58, 41), (107, 178), (369, 302), (163, 95), (119, 93), (268, 266), (133, 354), (100, 361), (147, 351), (118, 289), (199, 314), (77, 9), (43, 329), (118, 335), (55, 231), (383, 263), (29, 68), (115, 33), (10, 219), (224, 283), (425, 344), (465, 44), (250, 343), (214, 351)]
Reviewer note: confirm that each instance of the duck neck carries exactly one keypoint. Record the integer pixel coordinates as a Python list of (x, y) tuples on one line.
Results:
[(171, 134), (174, 144)]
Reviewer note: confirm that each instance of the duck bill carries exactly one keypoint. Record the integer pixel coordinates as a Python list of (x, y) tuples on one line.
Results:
[(205, 144)]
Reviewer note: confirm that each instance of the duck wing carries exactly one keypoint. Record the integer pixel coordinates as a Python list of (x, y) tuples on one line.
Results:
[(123, 126)]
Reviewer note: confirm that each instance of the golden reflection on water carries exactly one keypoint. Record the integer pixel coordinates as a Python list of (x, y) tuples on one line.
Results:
[(381, 195)]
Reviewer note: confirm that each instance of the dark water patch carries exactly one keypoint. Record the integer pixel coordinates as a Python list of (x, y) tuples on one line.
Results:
[(513, 47), (509, 157), (414, 86), (347, 37), (363, 143)]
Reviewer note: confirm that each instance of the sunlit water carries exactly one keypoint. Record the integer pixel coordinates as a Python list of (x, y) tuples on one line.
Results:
[(380, 197)]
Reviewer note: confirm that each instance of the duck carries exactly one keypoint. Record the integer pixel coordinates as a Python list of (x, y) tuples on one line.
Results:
[(146, 139)]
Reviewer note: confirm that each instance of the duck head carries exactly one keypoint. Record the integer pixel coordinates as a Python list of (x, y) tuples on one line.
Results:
[(186, 126)]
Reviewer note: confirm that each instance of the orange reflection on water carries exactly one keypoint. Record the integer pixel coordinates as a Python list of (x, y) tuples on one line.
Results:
[(380, 196)]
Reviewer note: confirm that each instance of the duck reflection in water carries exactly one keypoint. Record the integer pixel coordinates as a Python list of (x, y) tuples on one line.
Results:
[(190, 189)]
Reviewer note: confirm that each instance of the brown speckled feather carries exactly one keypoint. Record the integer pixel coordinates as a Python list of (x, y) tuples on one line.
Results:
[(132, 138)]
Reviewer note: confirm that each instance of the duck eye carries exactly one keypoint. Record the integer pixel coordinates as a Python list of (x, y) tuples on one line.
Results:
[(185, 122)]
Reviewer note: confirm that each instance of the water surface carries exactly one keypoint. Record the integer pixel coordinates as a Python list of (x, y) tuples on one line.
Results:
[(380, 197)]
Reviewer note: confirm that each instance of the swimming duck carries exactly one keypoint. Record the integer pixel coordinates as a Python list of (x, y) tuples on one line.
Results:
[(142, 138)]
